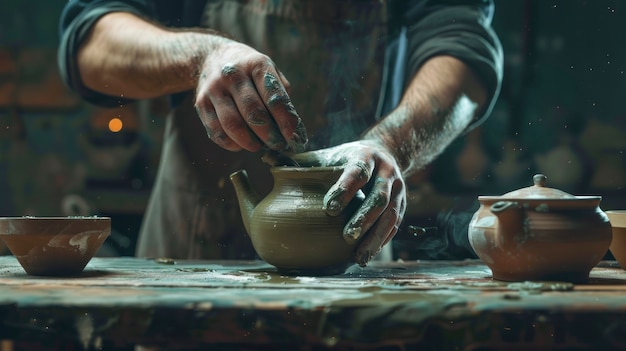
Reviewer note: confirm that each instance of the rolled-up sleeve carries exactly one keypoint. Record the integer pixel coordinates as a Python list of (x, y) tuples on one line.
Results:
[(464, 32), (75, 23)]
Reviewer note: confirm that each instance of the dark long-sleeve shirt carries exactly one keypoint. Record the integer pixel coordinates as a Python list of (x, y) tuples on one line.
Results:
[(421, 29)]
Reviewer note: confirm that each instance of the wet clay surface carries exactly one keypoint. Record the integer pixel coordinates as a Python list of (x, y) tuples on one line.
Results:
[(118, 300)]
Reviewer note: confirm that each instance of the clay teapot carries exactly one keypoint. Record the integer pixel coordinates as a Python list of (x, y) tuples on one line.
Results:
[(289, 228), (540, 233)]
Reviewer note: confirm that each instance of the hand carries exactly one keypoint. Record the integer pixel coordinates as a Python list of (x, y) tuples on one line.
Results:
[(370, 167), (243, 101)]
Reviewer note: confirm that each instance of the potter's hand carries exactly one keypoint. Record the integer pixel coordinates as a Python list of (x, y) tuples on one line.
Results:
[(243, 101), (368, 166)]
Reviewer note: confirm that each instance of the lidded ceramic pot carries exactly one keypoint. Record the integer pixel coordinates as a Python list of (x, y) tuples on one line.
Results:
[(540, 233)]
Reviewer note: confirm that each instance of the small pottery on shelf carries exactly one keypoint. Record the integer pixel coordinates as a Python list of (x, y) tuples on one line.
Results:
[(54, 246), (618, 245), (289, 228), (540, 233)]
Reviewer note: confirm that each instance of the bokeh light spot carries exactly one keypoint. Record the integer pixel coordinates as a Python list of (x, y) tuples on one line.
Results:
[(115, 125)]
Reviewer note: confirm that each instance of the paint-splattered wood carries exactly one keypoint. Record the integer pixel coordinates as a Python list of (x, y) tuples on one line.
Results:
[(448, 304)]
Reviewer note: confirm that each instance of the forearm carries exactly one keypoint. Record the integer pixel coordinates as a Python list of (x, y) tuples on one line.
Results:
[(127, 56), (438, 105)]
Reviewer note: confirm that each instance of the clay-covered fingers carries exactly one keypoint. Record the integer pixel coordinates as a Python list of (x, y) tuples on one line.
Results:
[(243, 103), (214, 130), (354, 177), (271, 85), (385, 227), (242, 120), (256, 115), (370, 211), (368, 167), (266, 114)]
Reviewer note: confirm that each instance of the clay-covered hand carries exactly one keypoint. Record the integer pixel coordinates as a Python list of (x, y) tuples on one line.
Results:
[(370, 167), (242, 99)]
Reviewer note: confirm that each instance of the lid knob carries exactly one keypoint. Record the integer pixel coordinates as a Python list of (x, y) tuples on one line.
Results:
[(540, 180)]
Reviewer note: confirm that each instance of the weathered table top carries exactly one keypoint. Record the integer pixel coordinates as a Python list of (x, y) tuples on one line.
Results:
[(439, 304)]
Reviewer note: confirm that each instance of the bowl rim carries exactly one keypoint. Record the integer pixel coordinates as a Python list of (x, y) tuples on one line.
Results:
[(53, 225), (53, 218)]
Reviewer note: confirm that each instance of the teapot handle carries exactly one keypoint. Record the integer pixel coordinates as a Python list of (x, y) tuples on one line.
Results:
[(502, 206), (512, 228)]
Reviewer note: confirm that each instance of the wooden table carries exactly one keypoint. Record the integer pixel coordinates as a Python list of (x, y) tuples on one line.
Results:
[(437, 305)]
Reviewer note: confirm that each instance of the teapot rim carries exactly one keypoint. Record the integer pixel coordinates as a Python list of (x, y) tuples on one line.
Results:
[(575, 198), (307, 169), (575, 203)]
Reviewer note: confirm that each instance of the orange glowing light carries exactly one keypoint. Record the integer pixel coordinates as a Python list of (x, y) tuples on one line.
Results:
[(115, 125)]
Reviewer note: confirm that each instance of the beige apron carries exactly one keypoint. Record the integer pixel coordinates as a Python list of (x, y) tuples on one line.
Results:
[(331, 52)]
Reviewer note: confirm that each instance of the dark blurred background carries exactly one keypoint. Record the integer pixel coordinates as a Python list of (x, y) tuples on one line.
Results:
[(560, 113)]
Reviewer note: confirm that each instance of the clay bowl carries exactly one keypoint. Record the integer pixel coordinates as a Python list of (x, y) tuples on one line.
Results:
[(618, 244), (54, 246)]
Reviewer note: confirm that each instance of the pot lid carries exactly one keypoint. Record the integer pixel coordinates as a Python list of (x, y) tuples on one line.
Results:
[(538, 191)]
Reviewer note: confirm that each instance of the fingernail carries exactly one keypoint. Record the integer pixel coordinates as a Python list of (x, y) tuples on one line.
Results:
[(363, 258), (297, 143), (333, 207), (351, 235), (299, 138), (301, 129)]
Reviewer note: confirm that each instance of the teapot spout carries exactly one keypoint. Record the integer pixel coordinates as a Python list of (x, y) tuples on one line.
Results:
[(511, 229), (246, 196)]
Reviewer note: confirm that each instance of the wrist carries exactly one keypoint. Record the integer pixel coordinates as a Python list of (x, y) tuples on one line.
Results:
[(395, 141)]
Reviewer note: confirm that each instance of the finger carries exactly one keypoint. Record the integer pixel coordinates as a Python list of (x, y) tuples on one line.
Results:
[(393, 231), (253, 111), (285, 81), (390, 221), (278, 103), (382, 232), (214, 129), (375, 203), (354, 177), (386, 227), (233, 124), (397, 207)]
